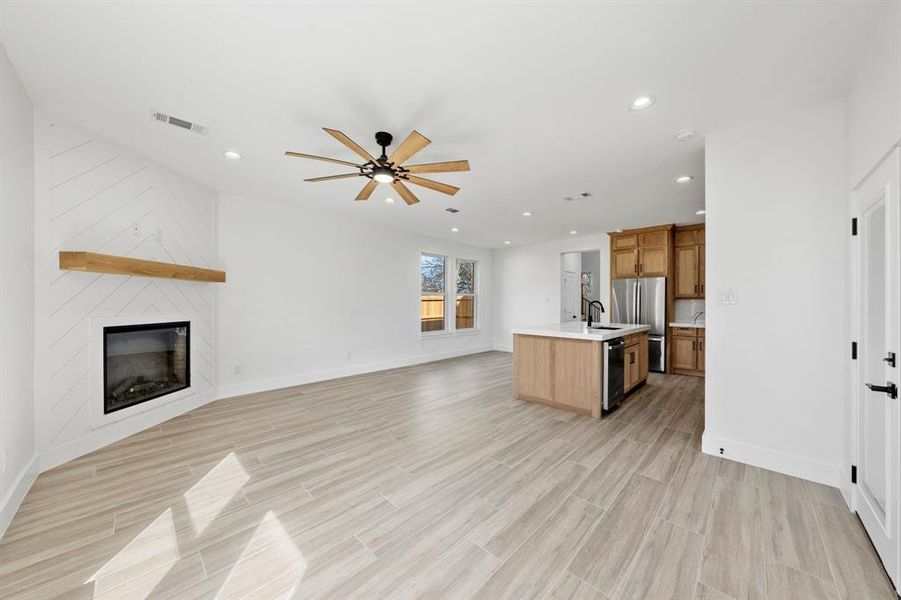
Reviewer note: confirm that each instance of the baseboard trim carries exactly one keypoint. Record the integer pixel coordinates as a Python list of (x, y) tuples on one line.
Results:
[(10, 503), (781, 462), (103, 436), (266, 385)]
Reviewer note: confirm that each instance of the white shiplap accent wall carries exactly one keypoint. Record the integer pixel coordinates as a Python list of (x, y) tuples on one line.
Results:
[(94, 195)]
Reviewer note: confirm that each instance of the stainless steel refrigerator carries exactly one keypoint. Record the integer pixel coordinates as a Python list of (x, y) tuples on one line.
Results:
[(643, 302)]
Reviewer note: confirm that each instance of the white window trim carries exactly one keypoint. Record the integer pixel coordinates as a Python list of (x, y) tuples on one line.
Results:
[(475, 295), (448, 318)]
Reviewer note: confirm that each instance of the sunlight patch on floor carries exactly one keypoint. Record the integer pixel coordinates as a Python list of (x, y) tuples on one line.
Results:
[(206, 498), (271, 556), (153, 552)]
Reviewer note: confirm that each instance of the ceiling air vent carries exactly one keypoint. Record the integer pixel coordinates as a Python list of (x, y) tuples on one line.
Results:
[(181, 123)]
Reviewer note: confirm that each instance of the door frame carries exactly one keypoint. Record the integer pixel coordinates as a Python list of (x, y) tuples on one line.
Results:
[(861, 199)]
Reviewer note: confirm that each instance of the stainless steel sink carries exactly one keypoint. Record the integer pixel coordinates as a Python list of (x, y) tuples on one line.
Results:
[(605, 327)]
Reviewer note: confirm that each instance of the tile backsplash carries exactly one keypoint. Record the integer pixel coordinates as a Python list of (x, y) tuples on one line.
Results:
[(687, 309)]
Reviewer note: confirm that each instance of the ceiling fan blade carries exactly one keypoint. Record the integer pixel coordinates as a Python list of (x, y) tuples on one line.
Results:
[(410, 146), (350, 144), (330, 177), (439, 167), (433, 185), (404, 192), (367, 190), (314, 157)]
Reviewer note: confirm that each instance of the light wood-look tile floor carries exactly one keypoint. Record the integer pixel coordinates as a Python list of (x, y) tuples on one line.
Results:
[(431, 482)]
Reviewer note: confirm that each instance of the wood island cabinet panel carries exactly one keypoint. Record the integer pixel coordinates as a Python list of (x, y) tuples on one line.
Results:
[(624, 263), (686, 271), (653, 261), (702, 235), (577, 375), (533, 363), (684, 353), (624, 242)]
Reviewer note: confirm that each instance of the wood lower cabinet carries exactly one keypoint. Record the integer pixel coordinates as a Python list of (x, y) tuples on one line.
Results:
[(688, 356), (636, 360)]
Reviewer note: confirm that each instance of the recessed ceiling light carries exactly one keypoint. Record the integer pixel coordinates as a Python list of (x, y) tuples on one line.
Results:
[(573, 232), (455, 229), (701, 212), (527, 214), (389, 200), (683, 178), (642, 103), (683, 135), (507, 242), (232, 154)]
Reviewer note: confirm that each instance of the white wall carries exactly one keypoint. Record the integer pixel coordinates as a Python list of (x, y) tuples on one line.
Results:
[(776, 231), (91, 194), (591, 263), (874, 98), (17, 465), (311, 296), (527, 283)]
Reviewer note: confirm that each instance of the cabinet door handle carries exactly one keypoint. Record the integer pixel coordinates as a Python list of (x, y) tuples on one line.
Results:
[(694, 345), (636, 267), (696, 288)]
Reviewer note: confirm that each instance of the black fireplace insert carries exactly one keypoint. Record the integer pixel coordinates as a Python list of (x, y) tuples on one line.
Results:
[(143, 362)]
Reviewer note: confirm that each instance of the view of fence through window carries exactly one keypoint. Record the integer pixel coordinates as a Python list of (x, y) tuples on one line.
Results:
[(433, 275), (466, 294)]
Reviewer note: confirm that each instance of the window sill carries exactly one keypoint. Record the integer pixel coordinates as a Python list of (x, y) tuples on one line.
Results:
[(429, 335)]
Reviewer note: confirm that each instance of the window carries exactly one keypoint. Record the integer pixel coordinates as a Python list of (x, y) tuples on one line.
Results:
[(466, 294), (432, 305)]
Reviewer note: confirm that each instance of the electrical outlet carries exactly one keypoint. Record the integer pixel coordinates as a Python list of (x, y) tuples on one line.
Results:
[(237, 369), (726, 297)]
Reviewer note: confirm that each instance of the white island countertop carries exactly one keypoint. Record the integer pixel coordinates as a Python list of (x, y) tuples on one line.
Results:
[(580, 331), (688, 324)]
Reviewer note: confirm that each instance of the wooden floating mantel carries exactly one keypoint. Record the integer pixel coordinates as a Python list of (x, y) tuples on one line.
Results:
[(95, 262)]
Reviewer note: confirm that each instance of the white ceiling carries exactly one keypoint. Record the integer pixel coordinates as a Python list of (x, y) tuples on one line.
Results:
[(535, 95)]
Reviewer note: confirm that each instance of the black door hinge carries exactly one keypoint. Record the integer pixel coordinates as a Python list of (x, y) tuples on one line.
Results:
[(854, 226), (853, 473), (853, 350)]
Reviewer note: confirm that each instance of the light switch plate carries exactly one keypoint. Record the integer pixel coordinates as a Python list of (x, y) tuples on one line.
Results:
[(726, 297)]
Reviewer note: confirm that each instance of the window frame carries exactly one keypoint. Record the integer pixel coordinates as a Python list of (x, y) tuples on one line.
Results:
[(446, 330), (474, 294)]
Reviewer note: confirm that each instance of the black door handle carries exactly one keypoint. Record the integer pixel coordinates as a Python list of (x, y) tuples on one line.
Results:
[(889, 388)]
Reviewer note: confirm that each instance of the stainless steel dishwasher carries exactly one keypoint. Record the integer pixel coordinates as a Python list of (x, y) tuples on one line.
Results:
[(613, 382)]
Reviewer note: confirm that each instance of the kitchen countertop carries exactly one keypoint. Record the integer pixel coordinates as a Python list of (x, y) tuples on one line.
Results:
[(580, 331), (688, 324)]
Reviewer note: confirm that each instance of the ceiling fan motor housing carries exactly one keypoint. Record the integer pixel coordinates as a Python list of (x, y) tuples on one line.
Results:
[(383, 139)]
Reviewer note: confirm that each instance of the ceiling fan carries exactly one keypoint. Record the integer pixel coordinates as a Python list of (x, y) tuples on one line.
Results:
[(388, 169)]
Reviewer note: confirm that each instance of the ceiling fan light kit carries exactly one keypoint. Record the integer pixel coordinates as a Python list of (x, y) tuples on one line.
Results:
[(389, 169)]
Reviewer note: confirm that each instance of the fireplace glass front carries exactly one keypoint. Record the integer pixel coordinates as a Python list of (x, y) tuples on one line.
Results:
[(143, 362)]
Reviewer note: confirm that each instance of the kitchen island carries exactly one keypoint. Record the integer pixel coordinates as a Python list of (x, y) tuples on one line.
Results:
[(562, 365)]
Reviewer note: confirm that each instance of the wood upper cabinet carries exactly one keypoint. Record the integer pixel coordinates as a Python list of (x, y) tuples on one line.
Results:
[(641, 252), (624, 263), (684, 353), (686, 271), (689, 262), (653, 261), (624, 241)]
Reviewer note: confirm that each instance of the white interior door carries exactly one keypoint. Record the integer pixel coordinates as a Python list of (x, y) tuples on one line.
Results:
[(879, 418), (570, 300)]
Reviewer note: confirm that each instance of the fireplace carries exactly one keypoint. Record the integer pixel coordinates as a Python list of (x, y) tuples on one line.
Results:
[(143, 362)]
